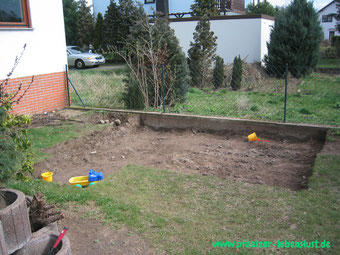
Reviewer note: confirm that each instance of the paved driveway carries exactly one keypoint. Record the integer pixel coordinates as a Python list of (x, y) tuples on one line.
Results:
[(110, 67)]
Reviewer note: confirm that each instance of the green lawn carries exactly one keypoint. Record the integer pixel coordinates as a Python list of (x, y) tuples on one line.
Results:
[(329, 63), (184, 214), (98, 88), (316, 100), (47, 136)]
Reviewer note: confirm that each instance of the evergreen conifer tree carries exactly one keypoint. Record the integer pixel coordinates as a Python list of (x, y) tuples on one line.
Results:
[(236, 79), (262, 8), (205, 7), (201, 53), (70, 9), (118, 21), (112, 20), (152, 45), (85, 25), (218, 74), (98, 31), (295, 40), (132, 13)]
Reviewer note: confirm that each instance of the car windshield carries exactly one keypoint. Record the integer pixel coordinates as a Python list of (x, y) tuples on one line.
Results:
[(77, 50)]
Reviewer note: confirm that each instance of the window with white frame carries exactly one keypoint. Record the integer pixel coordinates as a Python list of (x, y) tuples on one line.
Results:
[(14, 13)]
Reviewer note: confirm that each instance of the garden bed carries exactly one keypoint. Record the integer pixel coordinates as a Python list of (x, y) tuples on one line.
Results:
[(274, 162)]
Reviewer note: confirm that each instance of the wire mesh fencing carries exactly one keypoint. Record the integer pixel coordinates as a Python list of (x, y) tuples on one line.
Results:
[(99, 89), (251, 91)]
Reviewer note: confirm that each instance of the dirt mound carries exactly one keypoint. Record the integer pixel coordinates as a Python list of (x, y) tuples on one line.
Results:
[(70, 115)]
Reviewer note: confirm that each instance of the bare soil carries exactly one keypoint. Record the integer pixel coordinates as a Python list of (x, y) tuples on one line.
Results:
[(331, 147), (91, 235), (229, 155), (280, 163)]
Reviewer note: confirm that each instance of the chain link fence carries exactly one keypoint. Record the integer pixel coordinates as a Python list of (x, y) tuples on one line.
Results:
[(279, 93)]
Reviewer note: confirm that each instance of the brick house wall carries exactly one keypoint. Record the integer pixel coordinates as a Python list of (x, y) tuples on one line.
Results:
[(48, 92), (44, 56)]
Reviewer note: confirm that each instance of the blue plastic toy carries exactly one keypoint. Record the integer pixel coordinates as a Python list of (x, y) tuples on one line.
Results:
[(95, 176)]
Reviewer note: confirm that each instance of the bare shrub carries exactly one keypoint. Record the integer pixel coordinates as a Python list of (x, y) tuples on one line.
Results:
[(242, 103), (255, 78)]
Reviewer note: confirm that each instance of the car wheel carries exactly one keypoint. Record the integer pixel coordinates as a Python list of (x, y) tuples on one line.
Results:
[(80, 64)]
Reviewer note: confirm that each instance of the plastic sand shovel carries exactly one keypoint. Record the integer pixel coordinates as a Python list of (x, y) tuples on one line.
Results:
[(267, 141), (52, 251)]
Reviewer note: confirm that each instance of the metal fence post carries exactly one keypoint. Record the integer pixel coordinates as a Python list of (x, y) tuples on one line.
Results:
[(286, 94), (163, 88), (76, 92), (68, 86)]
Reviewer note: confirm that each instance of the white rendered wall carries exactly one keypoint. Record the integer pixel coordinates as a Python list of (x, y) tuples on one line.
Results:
[(266, 29), (328, 26), (46, 44), (244, 37)]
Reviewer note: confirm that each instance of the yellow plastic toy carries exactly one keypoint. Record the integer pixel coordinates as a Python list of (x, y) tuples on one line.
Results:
[(47, 176), (252, 137), (82, 180)]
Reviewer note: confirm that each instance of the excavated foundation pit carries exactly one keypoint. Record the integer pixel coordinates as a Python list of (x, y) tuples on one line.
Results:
[(278, 159)]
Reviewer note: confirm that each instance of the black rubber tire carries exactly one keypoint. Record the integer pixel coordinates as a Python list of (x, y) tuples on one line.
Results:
[(79, 64)]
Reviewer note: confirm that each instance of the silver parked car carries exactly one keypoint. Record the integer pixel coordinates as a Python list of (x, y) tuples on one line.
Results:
[(80, 58)]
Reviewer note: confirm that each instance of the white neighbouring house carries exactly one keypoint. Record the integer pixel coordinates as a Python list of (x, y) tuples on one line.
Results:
[(244, 35), (328, 21), (40, 25), (237, 34)]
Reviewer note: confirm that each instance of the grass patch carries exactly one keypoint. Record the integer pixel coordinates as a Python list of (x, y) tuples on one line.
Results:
[(315, 100), (184, 214), (98, 88), (47, 136), (305, 111), (329, 63)]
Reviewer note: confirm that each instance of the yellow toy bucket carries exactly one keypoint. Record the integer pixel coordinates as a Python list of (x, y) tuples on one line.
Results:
[(47, 176), (252, 137)]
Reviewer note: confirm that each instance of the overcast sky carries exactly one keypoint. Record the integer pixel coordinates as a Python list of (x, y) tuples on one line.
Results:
[(318, 4)]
